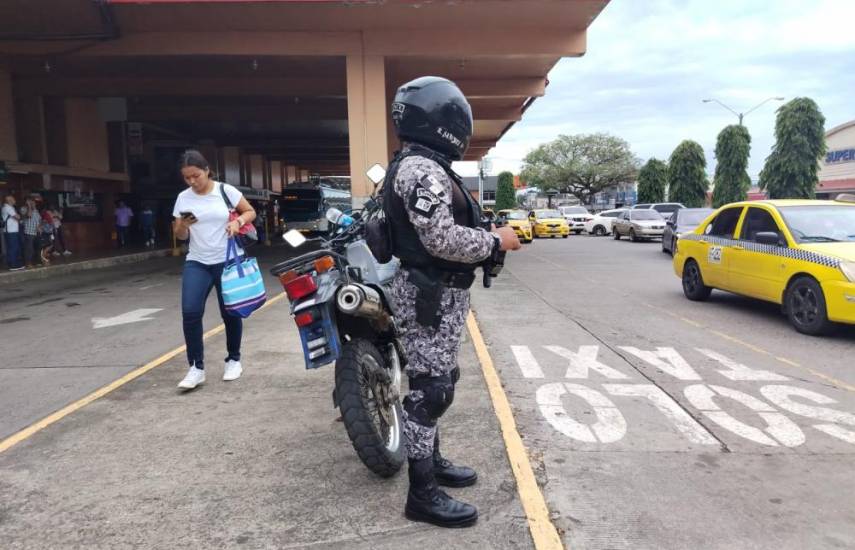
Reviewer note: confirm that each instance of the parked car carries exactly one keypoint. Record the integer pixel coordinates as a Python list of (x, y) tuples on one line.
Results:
[(664, 208), (601, 224), (548, 223), (682, 221), (638, 225), (576, 217), (518, 220), (797, 253)]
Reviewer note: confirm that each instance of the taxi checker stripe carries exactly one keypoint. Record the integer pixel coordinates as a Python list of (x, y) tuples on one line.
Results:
[(794, 253)]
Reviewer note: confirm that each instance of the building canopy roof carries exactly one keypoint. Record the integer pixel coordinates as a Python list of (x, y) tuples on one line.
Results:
[(272, 74)]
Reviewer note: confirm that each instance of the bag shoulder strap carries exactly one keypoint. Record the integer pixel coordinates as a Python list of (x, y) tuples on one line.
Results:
[(226, 197)]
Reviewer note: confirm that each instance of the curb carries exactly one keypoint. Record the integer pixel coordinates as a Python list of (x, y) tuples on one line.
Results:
[(64, 269)]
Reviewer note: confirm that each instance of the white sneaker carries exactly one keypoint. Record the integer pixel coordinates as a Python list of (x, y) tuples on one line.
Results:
[(194, 378), (67, 253), (233, 370)]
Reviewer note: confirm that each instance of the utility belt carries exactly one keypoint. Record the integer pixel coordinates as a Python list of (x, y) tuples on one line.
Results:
[(430, 283)]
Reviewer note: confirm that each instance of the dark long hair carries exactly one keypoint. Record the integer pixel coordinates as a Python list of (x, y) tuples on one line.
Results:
[(192, 157)]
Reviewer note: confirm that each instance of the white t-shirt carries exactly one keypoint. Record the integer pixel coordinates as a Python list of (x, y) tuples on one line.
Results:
[(208, 239), (8, 215)]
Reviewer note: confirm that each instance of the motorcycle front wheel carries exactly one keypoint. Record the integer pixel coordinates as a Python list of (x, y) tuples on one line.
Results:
[(368, 388)]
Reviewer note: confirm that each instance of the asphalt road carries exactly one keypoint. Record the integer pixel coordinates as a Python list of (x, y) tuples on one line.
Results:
[(656, 422)]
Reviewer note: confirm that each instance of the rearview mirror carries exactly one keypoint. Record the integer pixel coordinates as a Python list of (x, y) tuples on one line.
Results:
[(294, 238), (768, 237)]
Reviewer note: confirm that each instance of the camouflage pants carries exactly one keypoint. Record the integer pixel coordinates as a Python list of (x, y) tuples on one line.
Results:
[(430, 352)]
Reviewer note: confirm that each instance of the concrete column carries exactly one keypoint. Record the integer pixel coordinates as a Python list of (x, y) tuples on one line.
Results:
[(8, 141), (366, 119), (87, 135)]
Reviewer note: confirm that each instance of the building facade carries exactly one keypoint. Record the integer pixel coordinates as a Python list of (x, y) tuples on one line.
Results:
[(837, 169), (98, 99)]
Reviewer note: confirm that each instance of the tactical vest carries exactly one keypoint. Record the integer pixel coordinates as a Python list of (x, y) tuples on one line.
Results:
[(406, 244)]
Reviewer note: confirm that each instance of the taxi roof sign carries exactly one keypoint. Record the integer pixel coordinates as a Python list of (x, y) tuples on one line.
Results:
[(845, 197)]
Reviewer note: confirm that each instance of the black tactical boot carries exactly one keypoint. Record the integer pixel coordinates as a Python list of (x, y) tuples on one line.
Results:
[(427, 503), (447, 474)]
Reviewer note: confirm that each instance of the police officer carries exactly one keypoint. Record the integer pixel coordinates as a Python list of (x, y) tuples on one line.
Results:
[(436, 233)]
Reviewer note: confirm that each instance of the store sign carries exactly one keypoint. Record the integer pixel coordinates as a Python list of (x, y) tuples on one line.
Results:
[(841, 155), (135, 139)]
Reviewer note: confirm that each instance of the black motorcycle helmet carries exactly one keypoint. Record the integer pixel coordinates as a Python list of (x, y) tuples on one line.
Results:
[(433, 112)]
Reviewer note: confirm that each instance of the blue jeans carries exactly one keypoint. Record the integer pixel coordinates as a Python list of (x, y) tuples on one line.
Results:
[(196, 283), (13, 249), (121, 235)]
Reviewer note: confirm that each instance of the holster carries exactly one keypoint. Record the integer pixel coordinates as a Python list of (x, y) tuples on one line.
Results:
[(428, 298)]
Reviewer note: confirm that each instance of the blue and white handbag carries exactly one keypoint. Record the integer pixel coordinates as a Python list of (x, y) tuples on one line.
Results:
[(243, 286)]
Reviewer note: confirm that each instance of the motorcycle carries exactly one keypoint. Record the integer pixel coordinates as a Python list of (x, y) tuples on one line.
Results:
[(340, 301)]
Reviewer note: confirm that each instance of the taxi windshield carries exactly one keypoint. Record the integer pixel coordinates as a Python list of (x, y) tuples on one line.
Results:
[(820, 223), (547, 214), (516, 215)]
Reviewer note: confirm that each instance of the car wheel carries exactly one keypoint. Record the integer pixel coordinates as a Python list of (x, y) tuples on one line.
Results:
[(664, 248), (693, 282), (528, 241), (673, 245), (599, 231), (616, 234), (565, 236), (632, 236), (805, 303)]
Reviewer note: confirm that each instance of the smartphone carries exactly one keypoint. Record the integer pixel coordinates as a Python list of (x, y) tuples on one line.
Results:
[(188, 215)]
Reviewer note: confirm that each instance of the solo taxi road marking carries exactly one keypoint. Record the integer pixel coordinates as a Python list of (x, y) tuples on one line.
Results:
[(543, 532), (752, 347), (32, 429)]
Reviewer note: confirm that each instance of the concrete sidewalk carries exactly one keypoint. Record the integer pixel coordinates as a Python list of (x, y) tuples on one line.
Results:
[(64, 265), (257, 463)]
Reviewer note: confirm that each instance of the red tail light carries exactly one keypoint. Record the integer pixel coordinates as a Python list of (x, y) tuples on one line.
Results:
[(300, 287), (304, 319)]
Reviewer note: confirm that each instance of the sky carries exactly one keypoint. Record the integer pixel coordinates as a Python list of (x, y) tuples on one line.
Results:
[(650, 63)]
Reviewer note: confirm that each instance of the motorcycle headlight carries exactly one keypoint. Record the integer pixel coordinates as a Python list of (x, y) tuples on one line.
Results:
[(848, 269)]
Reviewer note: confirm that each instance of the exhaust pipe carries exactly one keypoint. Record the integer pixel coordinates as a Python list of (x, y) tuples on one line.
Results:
[(361, 301)]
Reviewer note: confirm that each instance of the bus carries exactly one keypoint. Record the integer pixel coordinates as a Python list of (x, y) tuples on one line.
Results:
[(303, 206)]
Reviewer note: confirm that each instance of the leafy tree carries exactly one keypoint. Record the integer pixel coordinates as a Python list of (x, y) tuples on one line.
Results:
[(581, 165), (731, 176), (791, 170), (652, 181), (687, 178), (505, 194)]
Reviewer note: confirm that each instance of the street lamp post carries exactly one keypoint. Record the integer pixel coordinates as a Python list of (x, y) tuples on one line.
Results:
[(741, 115)]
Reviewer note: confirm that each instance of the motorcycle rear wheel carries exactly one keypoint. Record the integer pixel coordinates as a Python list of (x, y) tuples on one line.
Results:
[(362, 375)]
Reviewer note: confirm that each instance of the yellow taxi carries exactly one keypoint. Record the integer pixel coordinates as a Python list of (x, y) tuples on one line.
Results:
[(518, 220), (797, 253), (548, 223)]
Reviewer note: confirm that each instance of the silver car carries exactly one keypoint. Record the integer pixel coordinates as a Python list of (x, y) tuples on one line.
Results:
[(638, 225), (682, 221)]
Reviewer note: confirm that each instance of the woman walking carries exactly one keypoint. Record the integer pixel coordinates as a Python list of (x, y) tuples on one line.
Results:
[(202, 216)]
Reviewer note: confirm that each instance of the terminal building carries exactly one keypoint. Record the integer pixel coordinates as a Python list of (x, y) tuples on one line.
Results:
[(837, 169), (98, 98)]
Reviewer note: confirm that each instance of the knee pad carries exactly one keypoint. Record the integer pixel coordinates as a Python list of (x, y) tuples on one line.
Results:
[(438, 395)]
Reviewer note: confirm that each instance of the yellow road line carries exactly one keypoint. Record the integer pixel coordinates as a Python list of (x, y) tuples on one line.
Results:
[(543, 532), (32, 429), (752, 347)]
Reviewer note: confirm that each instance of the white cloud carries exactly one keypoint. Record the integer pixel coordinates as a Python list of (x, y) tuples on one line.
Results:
[(649, 65)]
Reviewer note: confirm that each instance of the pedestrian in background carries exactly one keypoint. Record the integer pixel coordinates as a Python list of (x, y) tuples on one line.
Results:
[(201, 215), (45, 238), (147, 222), (31, 219), (11, 233), (59, 237), (123, 223)]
